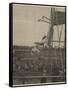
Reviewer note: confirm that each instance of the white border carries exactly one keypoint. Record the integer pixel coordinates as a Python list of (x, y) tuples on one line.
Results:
[(4, 44), (53, 83)]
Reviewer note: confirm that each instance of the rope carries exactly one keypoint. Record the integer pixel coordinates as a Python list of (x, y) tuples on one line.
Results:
[(57, 25), (59, 37)]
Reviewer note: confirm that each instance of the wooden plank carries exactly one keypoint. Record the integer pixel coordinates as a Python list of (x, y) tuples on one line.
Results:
[(26, 77)]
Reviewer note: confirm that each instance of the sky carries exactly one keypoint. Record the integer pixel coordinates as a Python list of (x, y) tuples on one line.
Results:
[(26, 28)]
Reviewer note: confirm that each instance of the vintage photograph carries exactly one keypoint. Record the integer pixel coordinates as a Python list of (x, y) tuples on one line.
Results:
[(39, 44)]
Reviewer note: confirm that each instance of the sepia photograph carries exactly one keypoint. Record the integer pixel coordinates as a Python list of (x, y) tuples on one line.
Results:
[(38, 44)]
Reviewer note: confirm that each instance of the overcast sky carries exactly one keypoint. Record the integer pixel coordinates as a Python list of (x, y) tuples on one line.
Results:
[(26, 28)]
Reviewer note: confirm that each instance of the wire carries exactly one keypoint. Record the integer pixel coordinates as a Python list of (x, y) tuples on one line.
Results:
[(46, 18), (43, 21)]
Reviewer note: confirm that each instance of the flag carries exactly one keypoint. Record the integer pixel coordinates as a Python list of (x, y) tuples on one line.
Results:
[(59, 18)]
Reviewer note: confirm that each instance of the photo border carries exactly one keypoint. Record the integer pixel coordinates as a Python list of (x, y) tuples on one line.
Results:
[(11, 46)]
